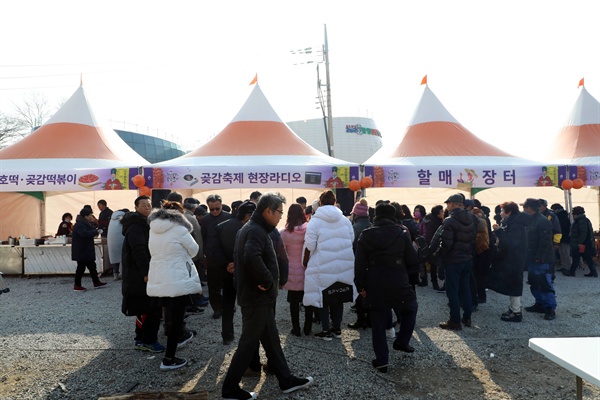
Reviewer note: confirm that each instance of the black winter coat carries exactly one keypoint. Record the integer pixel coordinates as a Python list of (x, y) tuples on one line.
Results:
[(385, 257), (457, 243), (565, 226), (210, 236), (539, 241), (255, 263), (135, 264), (582, 232), (227, 231), (82, 247), (430, 224), (506, 275)]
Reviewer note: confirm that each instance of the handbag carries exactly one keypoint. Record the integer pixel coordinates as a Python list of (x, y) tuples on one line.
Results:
[(338, 293)]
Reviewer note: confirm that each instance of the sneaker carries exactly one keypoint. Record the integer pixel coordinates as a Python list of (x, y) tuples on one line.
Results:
[(537, 308), (466, 322), (506, 313), (326, 336), (250, 373), (139, 345), (172, 363), (512, 317), (381, 368), (336, 333), (403, 347), (194, 310), (98, 285), (451, 325), (186, 338), (239, 394), (294, 383), (117, 277), (549, 314), (78, 288), (391, 333), (154, 347)]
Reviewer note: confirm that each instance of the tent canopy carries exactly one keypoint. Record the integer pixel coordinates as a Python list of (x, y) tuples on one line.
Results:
[(437, 151), (255, 149)]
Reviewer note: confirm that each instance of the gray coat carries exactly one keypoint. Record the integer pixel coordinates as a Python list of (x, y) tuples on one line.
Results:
[(115, 237)]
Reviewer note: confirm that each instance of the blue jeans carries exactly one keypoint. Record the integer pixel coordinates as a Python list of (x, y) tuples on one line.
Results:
[(540, 281), (458, 289)]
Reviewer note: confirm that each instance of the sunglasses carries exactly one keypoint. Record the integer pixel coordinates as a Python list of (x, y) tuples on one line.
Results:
[(215, 209)]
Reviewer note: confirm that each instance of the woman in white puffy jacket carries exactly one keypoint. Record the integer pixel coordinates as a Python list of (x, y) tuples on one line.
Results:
[(329, 237), (172, 277)]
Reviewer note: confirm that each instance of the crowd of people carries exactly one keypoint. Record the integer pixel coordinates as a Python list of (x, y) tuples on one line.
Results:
[(185, 256)]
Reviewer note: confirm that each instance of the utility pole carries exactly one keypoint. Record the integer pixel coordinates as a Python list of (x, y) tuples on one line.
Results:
[(329, 114)]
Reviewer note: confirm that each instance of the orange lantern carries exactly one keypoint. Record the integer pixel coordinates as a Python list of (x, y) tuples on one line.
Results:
[(145, 191), (139, 181), (354, 185), (577, 183), (366, 182), (567, 184)]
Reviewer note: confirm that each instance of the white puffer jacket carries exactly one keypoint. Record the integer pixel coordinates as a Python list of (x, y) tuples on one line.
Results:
[(172, 271), (329, 238)]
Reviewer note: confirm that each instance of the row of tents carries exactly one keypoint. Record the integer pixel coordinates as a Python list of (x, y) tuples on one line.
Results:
[(73, 159)]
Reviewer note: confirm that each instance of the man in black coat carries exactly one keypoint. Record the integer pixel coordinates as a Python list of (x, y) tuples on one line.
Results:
[(457, 245), (385, 266), (136, 263), (257, 277), (540, 260), (582, 243), (564, 247), (215, 262), (82, 249)]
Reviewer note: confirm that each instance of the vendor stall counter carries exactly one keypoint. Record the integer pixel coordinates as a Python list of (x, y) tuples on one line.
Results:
[(45, 259)]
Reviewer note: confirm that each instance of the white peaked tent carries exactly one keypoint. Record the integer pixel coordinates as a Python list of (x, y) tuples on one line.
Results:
[(437, 151), (255, 150), (71, 153), (578, 142)]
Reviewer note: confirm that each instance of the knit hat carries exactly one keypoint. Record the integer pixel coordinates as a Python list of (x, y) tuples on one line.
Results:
[(385, 210), (360, 210)]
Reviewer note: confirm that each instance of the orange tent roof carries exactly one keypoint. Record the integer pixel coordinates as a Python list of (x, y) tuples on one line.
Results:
[(73, 133), (435, 136)]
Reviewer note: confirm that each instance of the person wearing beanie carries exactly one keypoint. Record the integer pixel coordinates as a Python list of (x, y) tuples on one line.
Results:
[(582, 243), (82, 248), (540, 261), (386, 264)]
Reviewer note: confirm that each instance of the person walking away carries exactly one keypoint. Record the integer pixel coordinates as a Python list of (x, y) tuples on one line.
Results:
[(456, 251), (386, 263), (136, 264), (328, 239), (114, 241), (292, 236), (506, 274), (172, 277), (256, 276), (540, 261), (215, 261), (82, 249), (582, 243)]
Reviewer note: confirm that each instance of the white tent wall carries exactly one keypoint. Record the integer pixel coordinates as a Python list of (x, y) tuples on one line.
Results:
[(20, 214), (58, 203), (427, 197)]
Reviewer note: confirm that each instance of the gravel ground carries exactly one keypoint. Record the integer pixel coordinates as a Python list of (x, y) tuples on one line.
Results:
[(58, 344)]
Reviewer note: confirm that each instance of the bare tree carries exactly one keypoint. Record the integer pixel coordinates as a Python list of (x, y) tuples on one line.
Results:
[(33, 111), (11, 130)]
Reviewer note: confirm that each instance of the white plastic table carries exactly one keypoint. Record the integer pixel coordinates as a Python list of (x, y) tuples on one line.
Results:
[(579, 355)]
